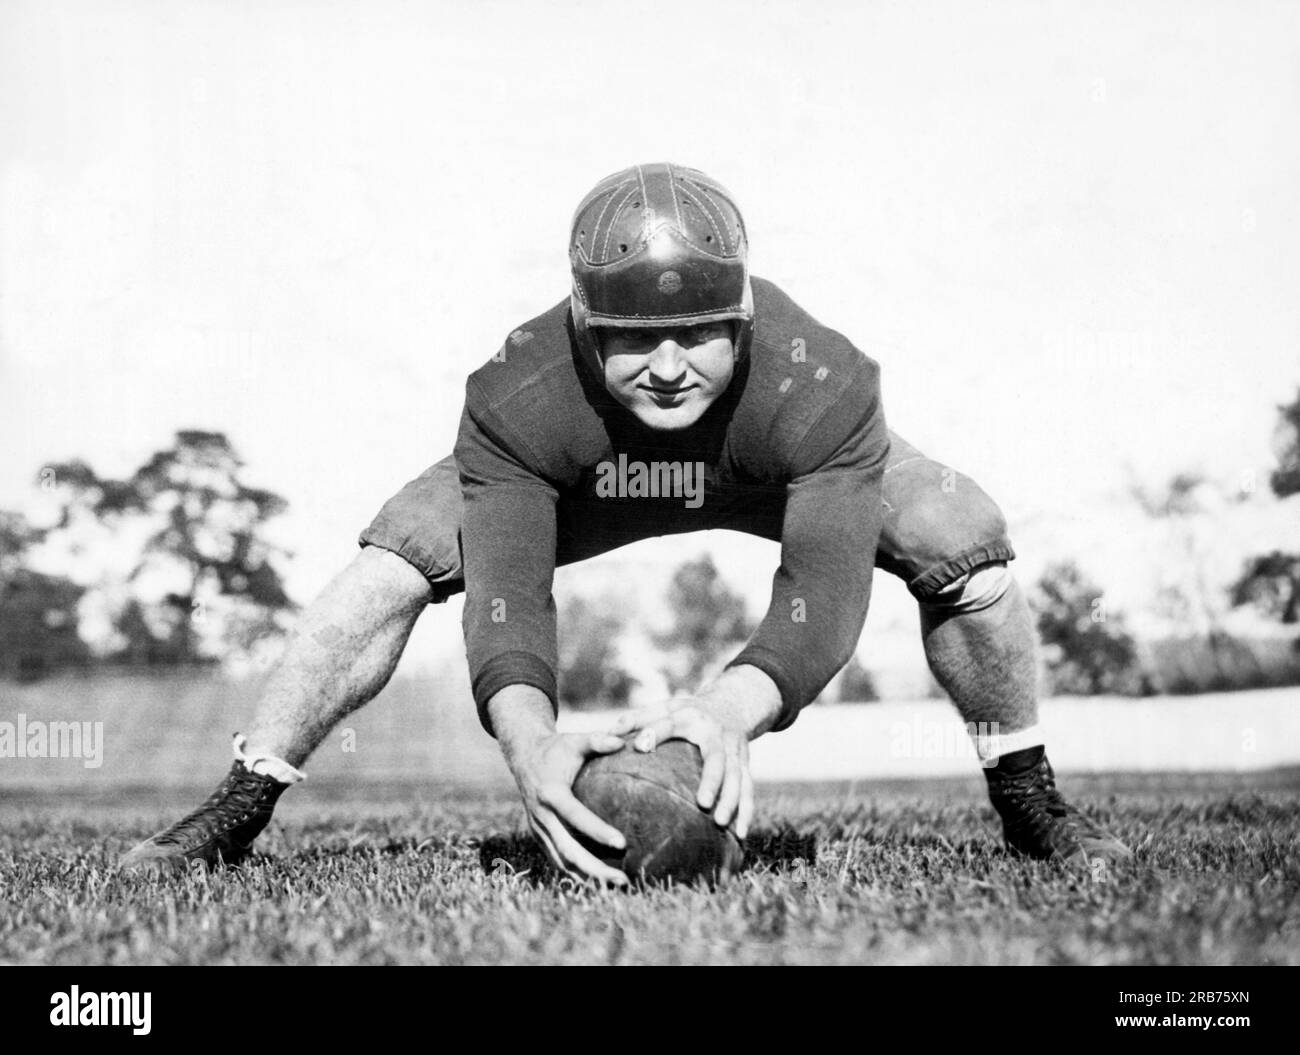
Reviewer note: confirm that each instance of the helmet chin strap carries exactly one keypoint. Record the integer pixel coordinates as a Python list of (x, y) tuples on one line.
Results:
[(588, 342)]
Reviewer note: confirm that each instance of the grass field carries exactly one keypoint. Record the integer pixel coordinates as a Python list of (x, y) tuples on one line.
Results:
[(881, 873)]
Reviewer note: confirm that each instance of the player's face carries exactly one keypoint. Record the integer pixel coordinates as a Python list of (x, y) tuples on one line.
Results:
[(668, 377)]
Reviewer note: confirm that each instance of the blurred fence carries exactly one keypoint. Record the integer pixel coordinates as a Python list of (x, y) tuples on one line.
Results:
[(172, 734), (174, 731)]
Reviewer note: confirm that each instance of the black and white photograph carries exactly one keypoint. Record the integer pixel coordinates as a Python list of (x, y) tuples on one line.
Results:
[(700, 484)]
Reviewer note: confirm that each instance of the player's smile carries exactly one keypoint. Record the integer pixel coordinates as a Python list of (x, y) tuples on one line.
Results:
[(667, 396), (669, 377)]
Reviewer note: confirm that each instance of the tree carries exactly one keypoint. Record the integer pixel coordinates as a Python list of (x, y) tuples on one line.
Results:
[(1178, 499), (16, 537), (1187, 595), (1272, 582), (204, 539), (708, 621), (590, 674), (1087, 650), (856, 684), (38, 612), (1285, 479)]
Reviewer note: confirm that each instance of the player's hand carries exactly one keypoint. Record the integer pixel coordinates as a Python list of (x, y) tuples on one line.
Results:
[(545, 771), (722, 733)]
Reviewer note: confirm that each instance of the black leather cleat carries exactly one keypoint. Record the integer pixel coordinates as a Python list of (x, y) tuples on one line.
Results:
[(1037, 822), (221, 831)]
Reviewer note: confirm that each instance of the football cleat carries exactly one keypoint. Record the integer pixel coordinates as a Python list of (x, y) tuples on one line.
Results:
[(221, 831), (1037, 822)]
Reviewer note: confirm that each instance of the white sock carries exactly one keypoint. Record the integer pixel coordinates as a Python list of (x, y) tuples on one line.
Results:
[(991, 743), (267, 765)]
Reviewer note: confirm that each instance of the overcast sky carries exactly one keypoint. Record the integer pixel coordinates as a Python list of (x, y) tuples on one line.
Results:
[(1069, 232)]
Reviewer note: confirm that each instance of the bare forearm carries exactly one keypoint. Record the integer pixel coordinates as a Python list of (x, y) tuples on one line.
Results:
[(748, 696), (521, 716)]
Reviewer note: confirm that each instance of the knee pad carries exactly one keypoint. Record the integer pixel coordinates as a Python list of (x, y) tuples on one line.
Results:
[(978, 589)]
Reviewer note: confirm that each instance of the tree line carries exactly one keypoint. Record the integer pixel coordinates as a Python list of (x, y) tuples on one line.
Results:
[(173, 565), (168, 566)]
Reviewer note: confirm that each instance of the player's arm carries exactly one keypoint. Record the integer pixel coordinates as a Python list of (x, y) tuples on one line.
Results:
[(833, 518), (508, 548), (819, 602)]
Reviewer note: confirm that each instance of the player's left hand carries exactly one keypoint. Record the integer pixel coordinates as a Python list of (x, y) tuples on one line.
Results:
[(722, 733)]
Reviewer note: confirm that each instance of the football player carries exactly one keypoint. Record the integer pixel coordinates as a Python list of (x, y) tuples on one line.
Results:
[(669, 392)]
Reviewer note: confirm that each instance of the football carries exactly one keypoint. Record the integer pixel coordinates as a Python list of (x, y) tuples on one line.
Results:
[(650, 798)]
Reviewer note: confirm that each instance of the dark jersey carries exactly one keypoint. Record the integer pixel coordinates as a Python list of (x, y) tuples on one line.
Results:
[(794, 450)]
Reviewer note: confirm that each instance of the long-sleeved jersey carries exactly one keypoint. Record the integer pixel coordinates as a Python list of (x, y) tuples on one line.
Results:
[(551, 466)]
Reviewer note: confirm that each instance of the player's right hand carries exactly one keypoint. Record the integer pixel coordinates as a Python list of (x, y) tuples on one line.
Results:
[(722, 735), (545, 771)]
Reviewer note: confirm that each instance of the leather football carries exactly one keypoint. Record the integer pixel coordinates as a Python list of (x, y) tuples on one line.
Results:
[(650, 798)]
